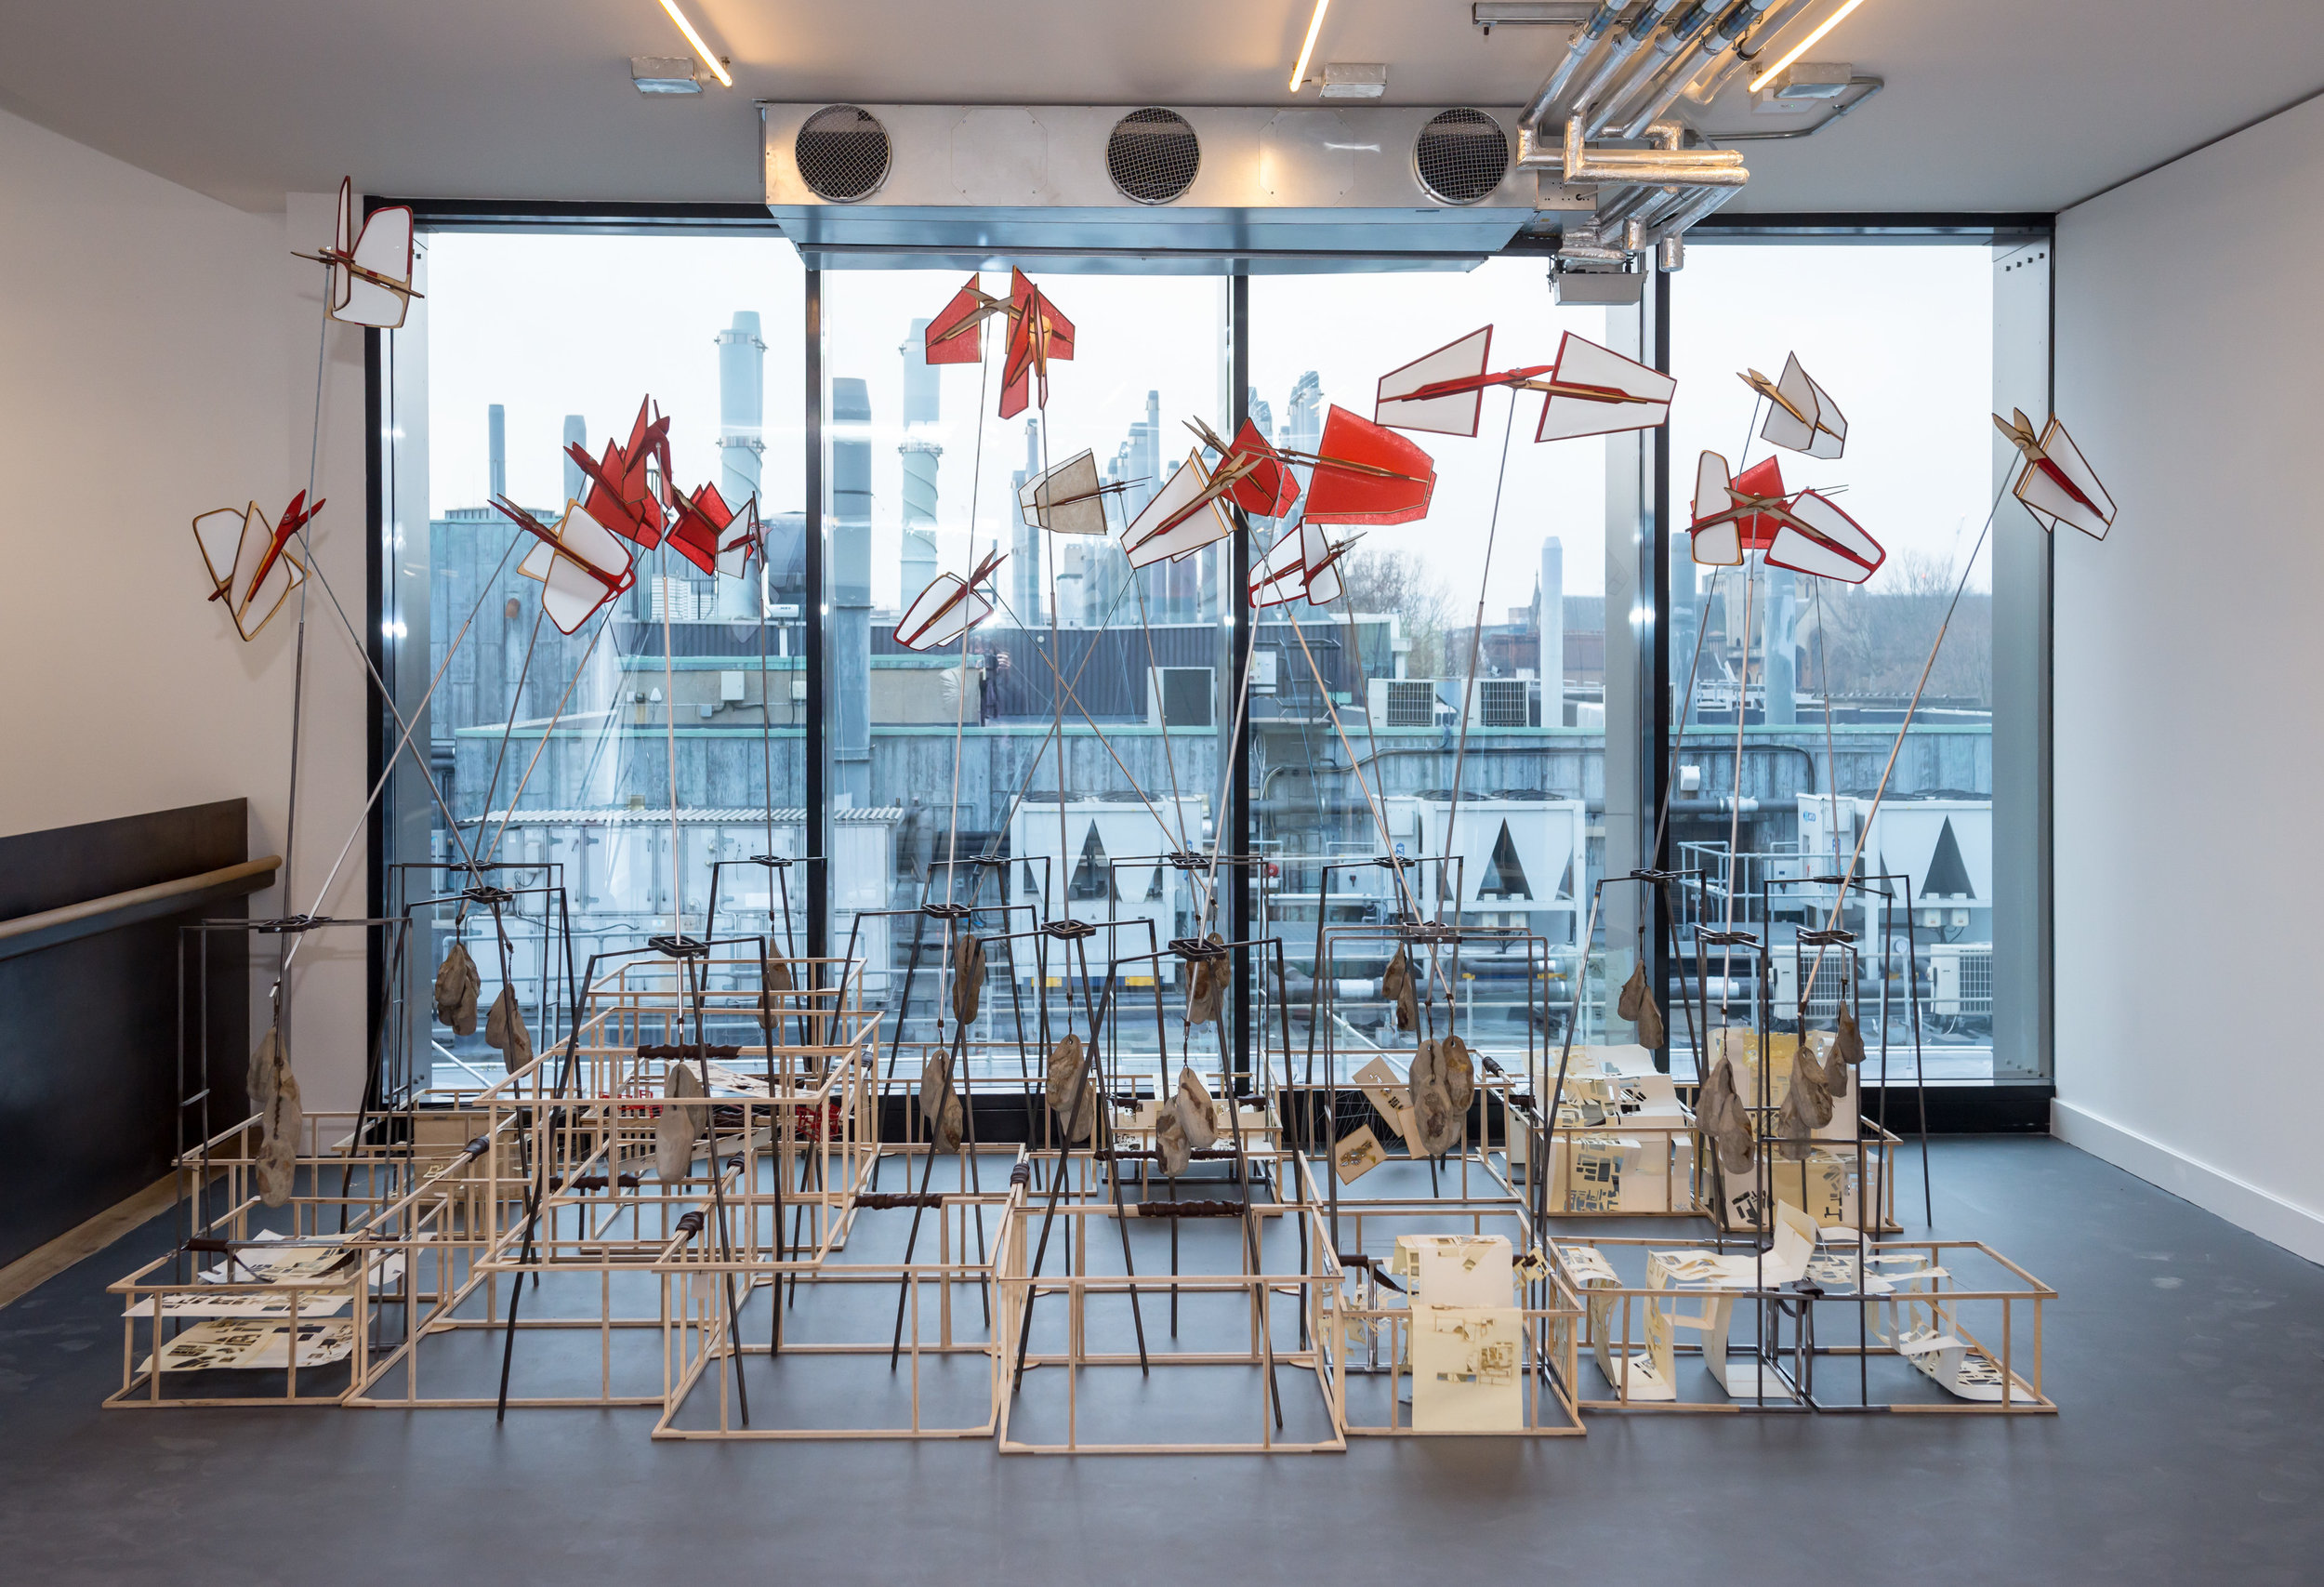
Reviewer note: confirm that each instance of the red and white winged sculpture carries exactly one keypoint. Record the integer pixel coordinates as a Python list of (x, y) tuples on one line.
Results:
[(1800, 415), (2057, 486), (371, 269), (1189, 512), (579, 563), (1804, 532), (250, 566), (1304, 564), (714, 536), (1069, 499), (1364, 473), (1590, 390), (1038, 333), (623, 495), (1186, 515), (949, 607)]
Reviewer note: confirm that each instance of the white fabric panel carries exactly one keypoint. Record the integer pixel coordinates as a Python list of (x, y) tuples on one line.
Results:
[(1711, 495), (385, 246), (1584, 362), (1146, 542), (1719, 546), (1452, 415), (1082, 509)]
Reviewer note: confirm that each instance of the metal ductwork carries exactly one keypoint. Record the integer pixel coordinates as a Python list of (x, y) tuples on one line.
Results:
[(1613, 163), (1189, 188)]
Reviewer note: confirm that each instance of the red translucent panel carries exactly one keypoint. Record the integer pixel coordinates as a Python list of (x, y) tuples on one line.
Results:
[(953, 335), (1268, 488), (1365, 473), (698, 527)]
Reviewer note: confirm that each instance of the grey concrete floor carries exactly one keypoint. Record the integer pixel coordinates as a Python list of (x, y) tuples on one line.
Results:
[(2188, 1357)]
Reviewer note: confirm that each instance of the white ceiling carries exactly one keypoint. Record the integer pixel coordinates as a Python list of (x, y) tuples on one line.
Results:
[(1990, 104)]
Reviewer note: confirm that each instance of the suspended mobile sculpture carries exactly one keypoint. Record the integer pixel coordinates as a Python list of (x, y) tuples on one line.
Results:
[(371, 269), (948, 608), (2057, 485), (579, 564), (1038, 333), (1800, 415), (249, 565), (1803, 532), (1590, 390)]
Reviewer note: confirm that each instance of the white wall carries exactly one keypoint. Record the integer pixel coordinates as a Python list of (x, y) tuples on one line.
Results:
[(158, 359), (2189, 658)]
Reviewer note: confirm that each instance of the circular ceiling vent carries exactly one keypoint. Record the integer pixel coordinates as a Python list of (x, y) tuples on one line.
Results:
[(843, 152), (1153, 155), (1462, 156)]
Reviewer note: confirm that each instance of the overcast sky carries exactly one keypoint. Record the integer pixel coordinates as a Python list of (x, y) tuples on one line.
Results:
[(549, 325)]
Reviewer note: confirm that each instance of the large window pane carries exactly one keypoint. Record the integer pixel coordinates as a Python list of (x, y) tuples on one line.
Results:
[(1820, 672), (557, 753), (1367, 725), (923, 766)]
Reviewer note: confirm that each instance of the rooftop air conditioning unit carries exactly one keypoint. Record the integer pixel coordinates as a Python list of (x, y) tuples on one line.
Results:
[(1249, 184), (1505, 703), (1402, 702)]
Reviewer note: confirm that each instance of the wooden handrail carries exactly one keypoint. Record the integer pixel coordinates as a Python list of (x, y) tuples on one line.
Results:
[(29, 933)]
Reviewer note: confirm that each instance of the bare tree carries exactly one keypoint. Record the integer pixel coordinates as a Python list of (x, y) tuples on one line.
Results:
[(1876, 640), (1400, 582)]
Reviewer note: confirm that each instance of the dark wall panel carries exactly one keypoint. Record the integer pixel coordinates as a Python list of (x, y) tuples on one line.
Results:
[(88, 1029)]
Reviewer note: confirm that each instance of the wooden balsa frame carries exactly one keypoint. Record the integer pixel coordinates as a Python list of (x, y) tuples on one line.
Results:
[(2018, 1299)]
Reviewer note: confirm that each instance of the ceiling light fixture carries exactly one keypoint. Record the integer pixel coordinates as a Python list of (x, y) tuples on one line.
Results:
[(1314, 26), (718, 67), (1790, 55)]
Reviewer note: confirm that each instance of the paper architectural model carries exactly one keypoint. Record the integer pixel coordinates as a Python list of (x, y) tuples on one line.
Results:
[(1358, 1154), (1385, 1089), (1037, 334), (949, 607), (580, 566), (1365, 473), (1185, 516), (1069, 499), (1805, 533), (249, 561), (1800, 415), (2057, 485), (1590, 390), (371, 269), (625, 495), (1918, 1325)]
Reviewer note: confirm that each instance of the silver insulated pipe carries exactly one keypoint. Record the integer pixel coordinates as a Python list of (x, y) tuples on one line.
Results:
[(1623, 45), (1678, 40), (1728, 35), (1584, 41)]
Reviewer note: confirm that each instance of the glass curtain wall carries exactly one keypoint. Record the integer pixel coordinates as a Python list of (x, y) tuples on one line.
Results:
[(1048, 762), (1800, 684), (664, 733), (1051, 761)]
